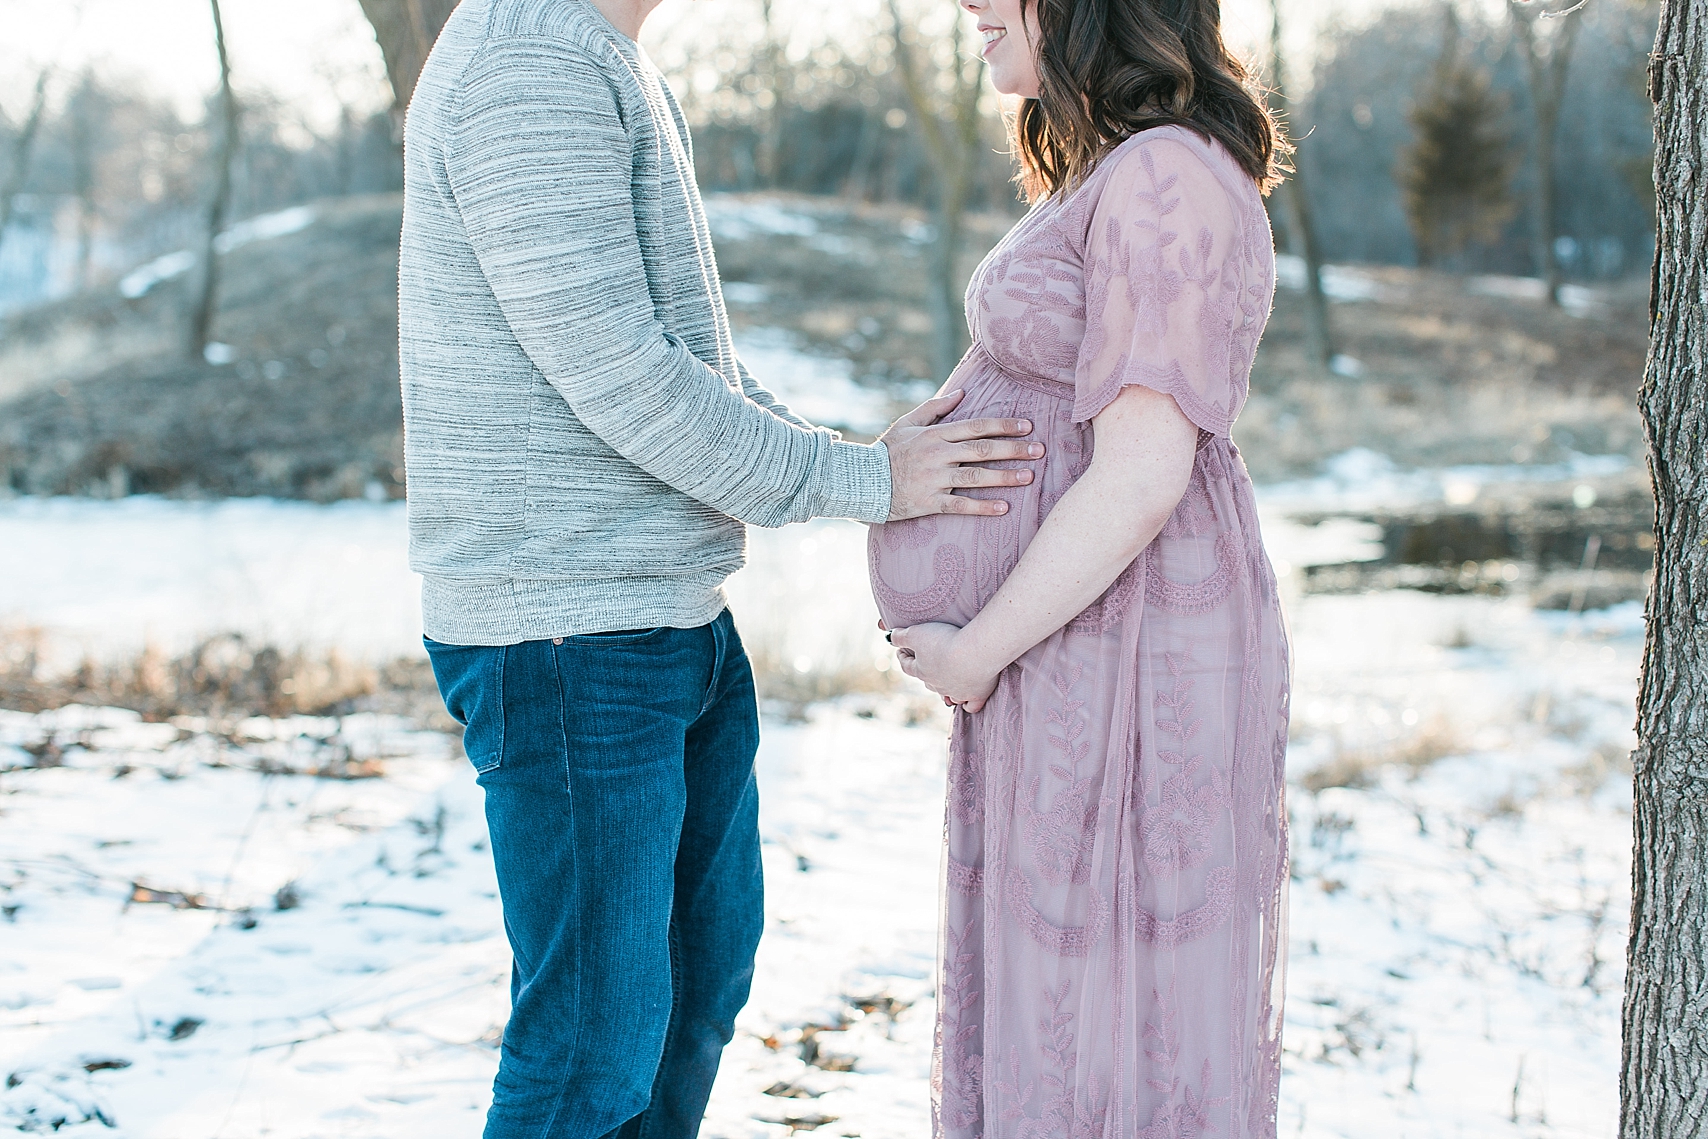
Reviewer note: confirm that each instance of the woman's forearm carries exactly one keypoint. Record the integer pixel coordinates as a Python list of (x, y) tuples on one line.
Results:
[(1143, 458)]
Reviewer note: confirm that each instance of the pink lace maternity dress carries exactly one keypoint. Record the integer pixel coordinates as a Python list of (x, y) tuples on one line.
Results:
[(1116, 835)]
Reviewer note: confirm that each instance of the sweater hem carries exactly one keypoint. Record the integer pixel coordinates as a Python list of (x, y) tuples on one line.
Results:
[(510, 611)]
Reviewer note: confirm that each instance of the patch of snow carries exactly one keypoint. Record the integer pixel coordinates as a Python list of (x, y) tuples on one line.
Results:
[(139, 281), (1580, 301), (1348, 366), (106, 577), (918, 232), (1361, 479), (738, 219), (745, 293), (1340, 282), (265, 227), (820, 389), (1452, 921)]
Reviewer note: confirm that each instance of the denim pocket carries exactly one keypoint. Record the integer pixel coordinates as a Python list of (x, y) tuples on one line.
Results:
[(619, 637), (471, 682)]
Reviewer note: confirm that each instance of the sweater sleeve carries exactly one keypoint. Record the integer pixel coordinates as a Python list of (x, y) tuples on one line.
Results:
[(540, 164), (762, 396)]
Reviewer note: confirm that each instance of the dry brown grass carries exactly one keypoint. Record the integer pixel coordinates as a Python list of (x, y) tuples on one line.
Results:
[(221, 677), (1414, 752), (789, 691)]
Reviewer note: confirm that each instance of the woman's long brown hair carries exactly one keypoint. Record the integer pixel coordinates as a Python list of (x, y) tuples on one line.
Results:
[(1109, 69)]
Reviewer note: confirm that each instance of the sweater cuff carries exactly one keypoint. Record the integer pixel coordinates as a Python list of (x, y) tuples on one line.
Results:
[(858, 483)]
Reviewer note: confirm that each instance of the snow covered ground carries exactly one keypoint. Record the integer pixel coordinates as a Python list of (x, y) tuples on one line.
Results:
[(199, 935)]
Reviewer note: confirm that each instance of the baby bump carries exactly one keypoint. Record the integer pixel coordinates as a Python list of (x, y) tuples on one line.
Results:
[(945, 567)]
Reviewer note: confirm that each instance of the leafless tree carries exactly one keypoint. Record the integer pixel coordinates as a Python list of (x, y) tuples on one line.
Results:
[(1545, 41), (1664, 1086), (1296, 202), (943, 82), (19, 168), (406, 30), (224, 151), (88, 115), (773, 64)]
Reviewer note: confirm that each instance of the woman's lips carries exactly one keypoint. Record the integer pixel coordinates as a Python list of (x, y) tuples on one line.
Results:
[(992, 37)]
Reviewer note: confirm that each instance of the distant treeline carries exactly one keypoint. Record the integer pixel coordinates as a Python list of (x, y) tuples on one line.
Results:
[(113, 176), (1358, 124)]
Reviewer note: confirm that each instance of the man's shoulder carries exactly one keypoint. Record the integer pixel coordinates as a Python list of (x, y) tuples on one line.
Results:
[(570, 26)]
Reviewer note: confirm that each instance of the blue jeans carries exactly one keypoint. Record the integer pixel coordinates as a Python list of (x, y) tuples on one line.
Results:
[(618, 770)]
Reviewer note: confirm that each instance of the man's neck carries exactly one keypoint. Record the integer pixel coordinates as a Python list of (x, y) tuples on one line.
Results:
[(626, 16)]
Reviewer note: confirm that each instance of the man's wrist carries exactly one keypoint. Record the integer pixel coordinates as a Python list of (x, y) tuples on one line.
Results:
[(858, 483)]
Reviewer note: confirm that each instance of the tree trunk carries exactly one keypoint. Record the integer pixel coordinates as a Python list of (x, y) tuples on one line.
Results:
[(775, 62), (201, 316), (406, 30), (20, 167), (949, 126), (1547, 59), (83, 128), (1296, 204), (1664, 1085)]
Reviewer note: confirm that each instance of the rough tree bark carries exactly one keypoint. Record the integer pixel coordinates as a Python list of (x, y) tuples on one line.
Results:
[(225, 149), (1664, 1084), (1296, 207), (1547, 58), (406, 30), (946, 107), (19, 170)]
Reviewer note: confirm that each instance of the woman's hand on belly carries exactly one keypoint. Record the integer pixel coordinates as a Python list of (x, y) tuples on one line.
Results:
[(935, 654)]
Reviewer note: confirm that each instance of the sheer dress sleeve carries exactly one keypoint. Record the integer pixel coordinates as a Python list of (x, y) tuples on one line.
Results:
[(1174, 292)]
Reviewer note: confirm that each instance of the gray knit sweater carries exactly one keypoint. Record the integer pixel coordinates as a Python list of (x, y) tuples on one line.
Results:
[(582, 444)]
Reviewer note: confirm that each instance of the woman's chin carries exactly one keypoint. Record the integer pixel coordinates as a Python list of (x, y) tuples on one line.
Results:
[(1007, 82)]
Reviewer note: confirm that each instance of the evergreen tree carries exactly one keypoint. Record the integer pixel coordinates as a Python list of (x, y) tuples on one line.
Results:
[(1457, 174)]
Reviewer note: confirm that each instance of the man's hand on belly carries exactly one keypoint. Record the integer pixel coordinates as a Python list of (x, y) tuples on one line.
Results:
[(929, 460)]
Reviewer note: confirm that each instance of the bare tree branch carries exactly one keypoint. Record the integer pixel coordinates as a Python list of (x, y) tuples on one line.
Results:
[(202, 314), (20, 166)]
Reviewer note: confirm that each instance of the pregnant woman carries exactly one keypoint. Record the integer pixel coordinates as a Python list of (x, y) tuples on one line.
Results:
[(1114, 645)]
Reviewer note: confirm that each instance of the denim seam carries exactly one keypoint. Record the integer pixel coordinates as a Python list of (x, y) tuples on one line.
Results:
[(503, 716), (674, 1024), (575, 899)]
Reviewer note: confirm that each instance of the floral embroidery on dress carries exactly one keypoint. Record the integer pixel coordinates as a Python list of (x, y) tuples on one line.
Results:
[(950, 566), (1174, 597), (1193, 924), (1177, 831), (1061, 837), (965, 879), (1106, 612), (1186, 1114), (910, 533), (961, 1065), (1061, 940), (966, 785), (1196, 513)]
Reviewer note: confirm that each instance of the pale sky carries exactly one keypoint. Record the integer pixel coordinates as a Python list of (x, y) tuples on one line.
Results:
[(299, 49)]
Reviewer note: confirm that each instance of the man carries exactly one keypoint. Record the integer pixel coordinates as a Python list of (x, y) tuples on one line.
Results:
[(583, 450)]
